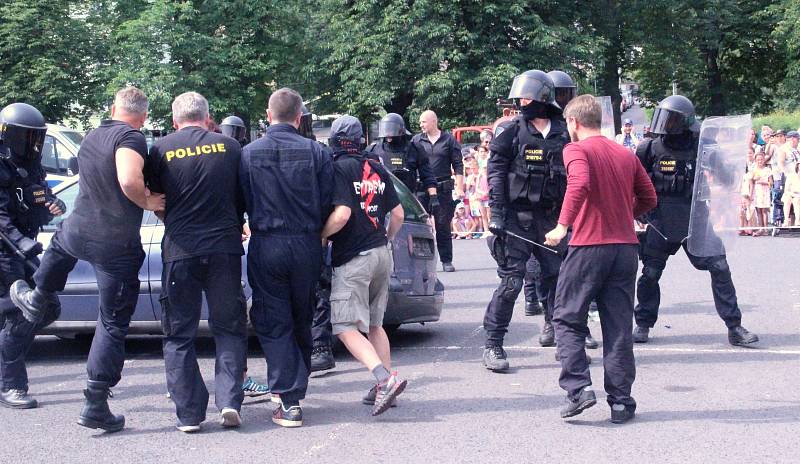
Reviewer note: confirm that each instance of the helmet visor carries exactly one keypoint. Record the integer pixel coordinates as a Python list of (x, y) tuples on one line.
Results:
[(234, 132), (564, 95), (24, 143), (667, 121), (525, 86), (391, 129), (305, 127)]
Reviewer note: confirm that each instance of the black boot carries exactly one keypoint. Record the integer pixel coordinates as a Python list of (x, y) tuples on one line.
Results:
[(739, 336), (322, 358), (548, 335), (95, 413), (533, 308), (34, 304)]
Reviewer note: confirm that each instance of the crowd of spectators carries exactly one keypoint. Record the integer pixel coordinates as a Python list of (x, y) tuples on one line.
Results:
[(471, 218), (770, 188)]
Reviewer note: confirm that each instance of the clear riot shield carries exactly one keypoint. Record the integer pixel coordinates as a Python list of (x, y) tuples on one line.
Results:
[(721, 161), (607, 124)]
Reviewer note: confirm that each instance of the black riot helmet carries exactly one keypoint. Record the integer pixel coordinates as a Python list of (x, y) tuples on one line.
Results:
[(234, 127), (22, 131), (674, 115), (534, 85), (305, 128), (565, 87), (392, 125)]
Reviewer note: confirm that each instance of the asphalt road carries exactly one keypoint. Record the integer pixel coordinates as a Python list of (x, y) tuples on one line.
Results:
[(700, 400)]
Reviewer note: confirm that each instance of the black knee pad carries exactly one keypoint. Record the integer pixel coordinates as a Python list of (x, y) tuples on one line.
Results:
[(651, 274), (510, 288)]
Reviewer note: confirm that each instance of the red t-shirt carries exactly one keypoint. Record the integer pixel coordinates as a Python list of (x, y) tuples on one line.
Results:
[(606, 188)]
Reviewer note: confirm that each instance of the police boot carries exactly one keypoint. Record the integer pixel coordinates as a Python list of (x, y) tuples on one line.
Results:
[(95, 413), (548, 335), (641, 334), (34, 304), (322, 358), (533, 308), (739, 336), (591, 343), (17, 399)]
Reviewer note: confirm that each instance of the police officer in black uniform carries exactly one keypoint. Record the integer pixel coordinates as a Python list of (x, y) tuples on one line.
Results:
[(234, 127), (565, 92), (446, 163), (670, 160), (402, 158), (527, 181), (198, 171), (26, 204), (103, 230)]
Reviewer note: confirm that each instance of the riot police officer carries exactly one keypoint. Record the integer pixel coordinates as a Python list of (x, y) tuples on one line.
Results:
[(234, 127), (670, 160), (527, 181), (26, 204), (565, 92), (401, 157)]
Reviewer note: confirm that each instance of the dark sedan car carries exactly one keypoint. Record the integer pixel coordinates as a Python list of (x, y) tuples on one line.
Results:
[(416, 295)]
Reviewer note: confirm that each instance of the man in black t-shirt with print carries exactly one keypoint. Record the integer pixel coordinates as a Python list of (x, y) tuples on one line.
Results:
[(362, 261), (103, 230), (198, 170)]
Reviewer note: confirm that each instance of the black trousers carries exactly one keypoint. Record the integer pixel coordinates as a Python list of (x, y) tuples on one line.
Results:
[(533, 281), (607, 274), (443, 217), (654, 255), (16, 333), (116, 267), (321, 329), (183, 283), (512, 255), (283, 271)]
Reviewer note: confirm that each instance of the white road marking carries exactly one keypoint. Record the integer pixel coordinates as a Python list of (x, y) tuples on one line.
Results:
[(653, 349)]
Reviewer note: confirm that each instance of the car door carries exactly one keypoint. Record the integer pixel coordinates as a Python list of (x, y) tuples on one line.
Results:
[(80, 298)]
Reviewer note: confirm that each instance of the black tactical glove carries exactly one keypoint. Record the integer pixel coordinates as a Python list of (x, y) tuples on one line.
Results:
[(58, 203), (497, 225), (434, 203), (30, 247)]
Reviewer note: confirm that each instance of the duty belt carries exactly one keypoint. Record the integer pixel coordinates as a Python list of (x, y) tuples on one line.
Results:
[(446, 185)]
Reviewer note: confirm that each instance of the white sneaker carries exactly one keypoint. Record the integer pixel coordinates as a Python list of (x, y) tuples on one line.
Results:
[(187, 428), (230, 417)]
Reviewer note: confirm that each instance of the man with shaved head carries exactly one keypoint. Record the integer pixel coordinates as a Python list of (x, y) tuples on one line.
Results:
[(444, 153)]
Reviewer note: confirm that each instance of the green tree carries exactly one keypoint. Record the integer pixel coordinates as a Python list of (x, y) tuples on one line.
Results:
[(47, 57), (234, 53), (457, 57), (787, 34), (720, 53)]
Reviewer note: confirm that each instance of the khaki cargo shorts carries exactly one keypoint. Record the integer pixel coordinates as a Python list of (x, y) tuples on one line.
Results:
[(360, 290)]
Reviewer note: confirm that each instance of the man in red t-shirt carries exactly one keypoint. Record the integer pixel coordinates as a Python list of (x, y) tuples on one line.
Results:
[(606, 188)]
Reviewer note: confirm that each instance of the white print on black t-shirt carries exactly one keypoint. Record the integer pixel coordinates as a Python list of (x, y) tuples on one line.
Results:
[(370, 185)]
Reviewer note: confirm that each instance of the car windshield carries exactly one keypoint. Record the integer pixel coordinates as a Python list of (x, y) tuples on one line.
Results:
[(68, 196), (414, 212), (74, 137)]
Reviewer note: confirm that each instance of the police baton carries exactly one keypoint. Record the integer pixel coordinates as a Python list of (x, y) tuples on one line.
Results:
[(657, 231), (15, 249), (532, 242)]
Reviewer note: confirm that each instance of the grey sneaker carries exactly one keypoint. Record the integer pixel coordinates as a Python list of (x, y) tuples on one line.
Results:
[(621, 413), (584, 401), (386, 393), (187, 428), (369, 398), (494, 358)]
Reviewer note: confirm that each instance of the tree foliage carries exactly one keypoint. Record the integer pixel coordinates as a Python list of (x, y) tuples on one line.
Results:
[(366, 57)]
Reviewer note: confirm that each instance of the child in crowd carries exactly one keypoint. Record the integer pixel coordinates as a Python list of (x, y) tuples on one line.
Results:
[(462, 225), (762, 193)]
